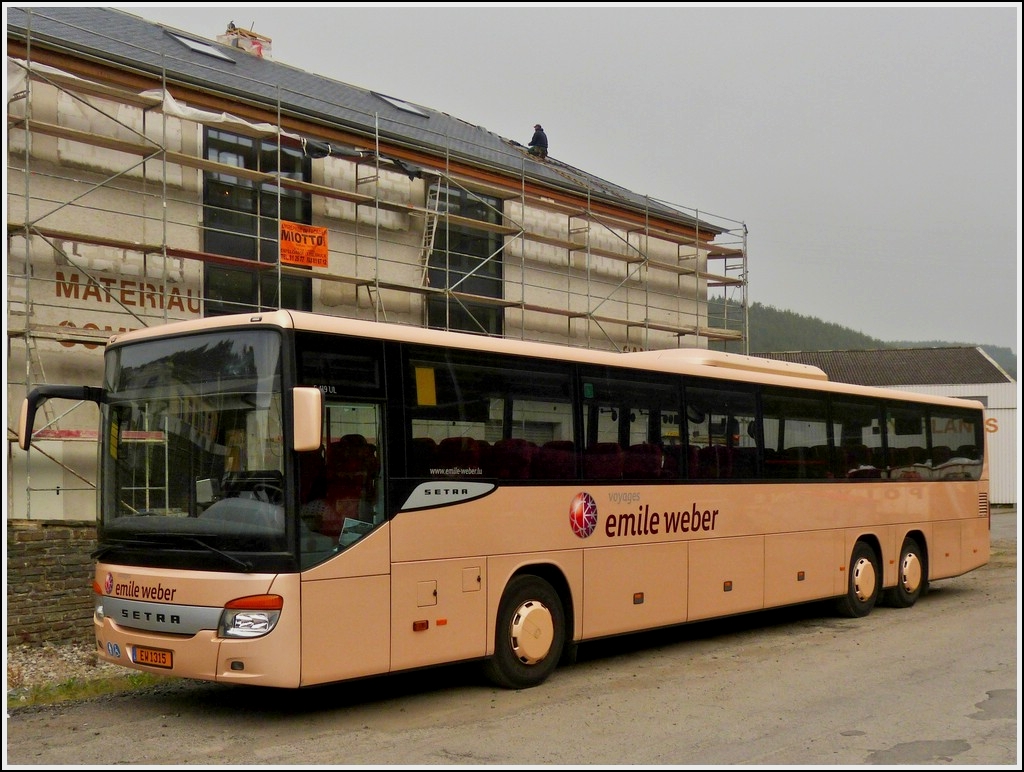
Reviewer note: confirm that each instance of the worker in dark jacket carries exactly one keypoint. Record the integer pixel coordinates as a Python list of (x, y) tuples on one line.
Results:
[(539, 143)]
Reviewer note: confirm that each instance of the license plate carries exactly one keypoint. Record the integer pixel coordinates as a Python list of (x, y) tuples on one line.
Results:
[(153, 657)]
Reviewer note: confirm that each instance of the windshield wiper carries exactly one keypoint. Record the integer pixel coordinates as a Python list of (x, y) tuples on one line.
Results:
[(114, 544), (245, 565)]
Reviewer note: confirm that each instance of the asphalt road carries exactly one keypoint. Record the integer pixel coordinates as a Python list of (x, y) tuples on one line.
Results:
[(933, 684)]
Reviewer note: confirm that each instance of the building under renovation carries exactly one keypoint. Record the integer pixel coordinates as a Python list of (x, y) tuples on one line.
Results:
[(154, 176)]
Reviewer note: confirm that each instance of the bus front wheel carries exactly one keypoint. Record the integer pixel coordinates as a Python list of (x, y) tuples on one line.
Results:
[(863, 583), (912, 581), (530, 634)]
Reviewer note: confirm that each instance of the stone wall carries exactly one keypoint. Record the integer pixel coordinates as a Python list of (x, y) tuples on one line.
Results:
[(49, 581)]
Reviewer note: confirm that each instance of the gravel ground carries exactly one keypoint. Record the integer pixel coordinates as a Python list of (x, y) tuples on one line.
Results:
[(28, 666)]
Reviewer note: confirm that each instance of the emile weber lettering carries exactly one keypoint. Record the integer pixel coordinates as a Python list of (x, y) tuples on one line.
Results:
[(143, 591), (643, 522), (146, 592)]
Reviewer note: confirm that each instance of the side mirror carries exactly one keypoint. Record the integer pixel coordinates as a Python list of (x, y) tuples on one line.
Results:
[(307, 418), (39, 395)]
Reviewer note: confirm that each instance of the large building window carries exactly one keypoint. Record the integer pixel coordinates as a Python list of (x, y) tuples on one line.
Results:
[(466, 260), (241, 219)]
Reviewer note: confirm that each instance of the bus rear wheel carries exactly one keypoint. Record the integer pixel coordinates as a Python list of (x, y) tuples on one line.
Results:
[(863, 584), (912, 581), (530, 634)]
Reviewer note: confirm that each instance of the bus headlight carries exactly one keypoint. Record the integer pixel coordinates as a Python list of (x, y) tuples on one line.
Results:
[(250, 617)]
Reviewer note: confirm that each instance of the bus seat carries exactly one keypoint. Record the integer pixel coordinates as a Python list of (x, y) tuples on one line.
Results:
[(510, 459), (744, 463), (693, 461), (680, 459), (858, 463), (941, 454), (352, 469), (460, 454), (554, 460), (856, 456), (643, 461), (714, 463), (603, 461)]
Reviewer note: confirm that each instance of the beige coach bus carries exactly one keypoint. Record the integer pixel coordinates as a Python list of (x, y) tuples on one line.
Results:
[(289, 499)]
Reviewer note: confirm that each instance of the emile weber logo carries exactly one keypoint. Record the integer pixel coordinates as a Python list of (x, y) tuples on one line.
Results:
[(583, 518), (135, 591)]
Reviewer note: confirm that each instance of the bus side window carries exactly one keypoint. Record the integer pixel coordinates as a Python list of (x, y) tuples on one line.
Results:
[(353, 467)]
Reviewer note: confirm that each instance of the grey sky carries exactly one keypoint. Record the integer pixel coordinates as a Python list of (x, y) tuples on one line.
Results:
[(872, 152)]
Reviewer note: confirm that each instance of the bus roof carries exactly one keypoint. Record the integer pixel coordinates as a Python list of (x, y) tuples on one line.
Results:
[(690, 361)]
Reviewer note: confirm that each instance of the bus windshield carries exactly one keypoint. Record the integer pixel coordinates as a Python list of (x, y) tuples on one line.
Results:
[(192, 453)]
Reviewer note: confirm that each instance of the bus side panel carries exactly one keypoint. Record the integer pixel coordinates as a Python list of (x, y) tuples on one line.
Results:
[(840, 558), (369, 556), (800, 567), (346, 615), (345, 627), (726, 576), (633, 587), (975, 543), (439, 612), (944, 550), (890, 547)]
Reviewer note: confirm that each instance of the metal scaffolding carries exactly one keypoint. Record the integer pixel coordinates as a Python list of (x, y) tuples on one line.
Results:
[(612, 276)]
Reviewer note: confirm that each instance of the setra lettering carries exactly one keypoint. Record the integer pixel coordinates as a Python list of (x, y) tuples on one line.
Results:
[(151, 616)]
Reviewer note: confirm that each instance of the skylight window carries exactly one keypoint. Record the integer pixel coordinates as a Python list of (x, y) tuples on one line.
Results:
[(404, 106), (202, 48)]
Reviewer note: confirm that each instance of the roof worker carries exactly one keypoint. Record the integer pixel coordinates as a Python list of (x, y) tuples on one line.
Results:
[(539, 143)]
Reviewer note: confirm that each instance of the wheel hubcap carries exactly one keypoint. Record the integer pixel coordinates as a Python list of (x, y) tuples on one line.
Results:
[(910, 572), (532, 632), (864, 579)]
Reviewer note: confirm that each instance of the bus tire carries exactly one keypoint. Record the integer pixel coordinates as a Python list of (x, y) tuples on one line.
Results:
[(912, 580), (530, 634), (863, 584), (570, 653)]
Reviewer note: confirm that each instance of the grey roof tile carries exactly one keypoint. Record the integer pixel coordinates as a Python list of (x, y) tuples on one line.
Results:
[(902, 367), (148, 47)]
